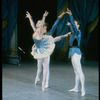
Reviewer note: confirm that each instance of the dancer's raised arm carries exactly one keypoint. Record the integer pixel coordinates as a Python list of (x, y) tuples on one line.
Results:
[(56, 23), (73, 25), (31, 21), (43, 20)]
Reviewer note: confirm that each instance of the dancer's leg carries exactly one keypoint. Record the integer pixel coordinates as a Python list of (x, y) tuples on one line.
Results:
[(77, 78), (82, 77), (39, 70), (44, 73), (48, 71)]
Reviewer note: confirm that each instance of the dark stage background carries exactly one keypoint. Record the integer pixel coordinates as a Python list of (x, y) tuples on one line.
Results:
[(36, 9)]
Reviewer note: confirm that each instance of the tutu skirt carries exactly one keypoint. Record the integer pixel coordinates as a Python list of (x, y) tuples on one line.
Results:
[(45, 49)]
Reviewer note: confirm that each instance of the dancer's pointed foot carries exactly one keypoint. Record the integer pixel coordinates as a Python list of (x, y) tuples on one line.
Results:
[(36, 80), (73, 90), (43, 87), (83, 92), (46, 85)]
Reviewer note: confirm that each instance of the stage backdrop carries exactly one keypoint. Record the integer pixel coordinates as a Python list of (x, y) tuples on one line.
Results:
[(86, 11), (9, 31)]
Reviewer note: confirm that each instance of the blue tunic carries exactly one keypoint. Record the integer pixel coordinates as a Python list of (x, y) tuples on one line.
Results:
[(76, 35)]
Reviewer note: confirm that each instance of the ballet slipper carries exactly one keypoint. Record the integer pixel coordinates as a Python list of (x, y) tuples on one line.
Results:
[(83, 93), (43, 87), (46, 85), (73, 90), (36, 80)]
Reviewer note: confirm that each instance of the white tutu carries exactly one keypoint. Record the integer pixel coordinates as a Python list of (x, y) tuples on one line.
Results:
[(48, 44)]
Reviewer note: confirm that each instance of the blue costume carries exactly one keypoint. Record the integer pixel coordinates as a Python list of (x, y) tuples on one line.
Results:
[(44, 47), (75, 53), (74, 48)]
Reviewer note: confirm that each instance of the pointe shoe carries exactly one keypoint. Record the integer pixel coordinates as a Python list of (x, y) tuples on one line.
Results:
[(36, 80), (46, 85), (73, 90), (43, 87), (83, 93)]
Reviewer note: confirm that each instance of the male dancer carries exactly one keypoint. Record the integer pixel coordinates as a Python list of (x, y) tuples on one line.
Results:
[(75, 53)]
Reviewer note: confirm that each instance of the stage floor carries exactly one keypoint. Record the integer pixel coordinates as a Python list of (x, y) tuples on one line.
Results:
[(18, 82)]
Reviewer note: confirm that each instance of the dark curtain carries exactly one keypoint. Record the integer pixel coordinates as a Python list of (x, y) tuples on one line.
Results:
[(9, 20), (4, 26), (86, 11)]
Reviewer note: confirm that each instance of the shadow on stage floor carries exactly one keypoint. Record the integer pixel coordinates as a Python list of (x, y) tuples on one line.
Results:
[(18, 82)]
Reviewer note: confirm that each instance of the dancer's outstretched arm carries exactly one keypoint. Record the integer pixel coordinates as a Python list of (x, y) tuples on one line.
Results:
[(58, 38)]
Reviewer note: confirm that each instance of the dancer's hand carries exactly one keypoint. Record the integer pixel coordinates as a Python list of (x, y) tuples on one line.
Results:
[(68, 23), (28, 15), (45, 14), (70, 33), (68, 11), (61, 15)]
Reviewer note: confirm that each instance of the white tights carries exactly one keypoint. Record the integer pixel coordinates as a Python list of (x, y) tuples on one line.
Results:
[(79, 76), (46, 72)]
